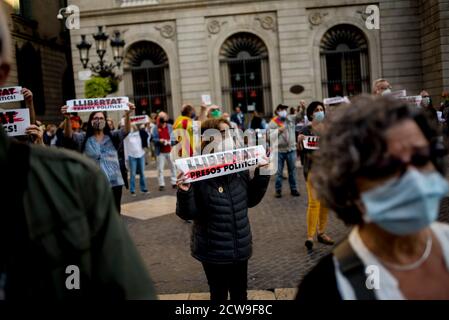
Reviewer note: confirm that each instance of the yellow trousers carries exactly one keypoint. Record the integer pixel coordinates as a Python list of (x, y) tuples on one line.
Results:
[(316, 212)]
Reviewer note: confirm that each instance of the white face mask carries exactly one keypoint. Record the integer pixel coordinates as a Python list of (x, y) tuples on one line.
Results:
[(282, 113), (386, 92), (425, 102)]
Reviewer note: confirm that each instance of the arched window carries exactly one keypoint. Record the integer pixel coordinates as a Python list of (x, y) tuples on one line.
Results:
[(149, 66), (344, 62), (29, 69), (245, 73)]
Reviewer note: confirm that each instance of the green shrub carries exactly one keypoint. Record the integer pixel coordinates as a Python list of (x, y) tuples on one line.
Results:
[(99, 87)]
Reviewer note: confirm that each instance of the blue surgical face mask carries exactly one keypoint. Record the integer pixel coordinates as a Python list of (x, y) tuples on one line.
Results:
[(406, 205), (318, 116)]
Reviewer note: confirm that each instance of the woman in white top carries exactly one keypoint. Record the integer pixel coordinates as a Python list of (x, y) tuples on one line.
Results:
[(135, 144), (380, 169)]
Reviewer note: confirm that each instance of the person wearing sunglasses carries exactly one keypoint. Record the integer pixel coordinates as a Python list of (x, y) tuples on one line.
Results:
[(380, 168)]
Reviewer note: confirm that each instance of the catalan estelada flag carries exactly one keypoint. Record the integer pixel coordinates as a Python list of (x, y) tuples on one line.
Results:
[(185, 123)]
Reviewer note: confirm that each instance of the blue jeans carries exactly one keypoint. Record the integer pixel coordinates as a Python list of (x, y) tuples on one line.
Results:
[(137, 165), (290, 157)]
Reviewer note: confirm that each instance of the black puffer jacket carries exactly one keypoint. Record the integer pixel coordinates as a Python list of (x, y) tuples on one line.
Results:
[(219, 207)]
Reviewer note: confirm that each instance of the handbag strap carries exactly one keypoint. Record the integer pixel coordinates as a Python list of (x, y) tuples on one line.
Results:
[(352, 267)]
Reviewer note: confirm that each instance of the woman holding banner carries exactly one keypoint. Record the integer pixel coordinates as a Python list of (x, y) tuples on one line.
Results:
[(102, 145), (317, 213), (221, 238)]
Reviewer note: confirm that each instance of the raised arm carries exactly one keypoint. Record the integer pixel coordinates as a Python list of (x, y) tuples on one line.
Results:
[(132, 107), (28, 95), (68, 133)]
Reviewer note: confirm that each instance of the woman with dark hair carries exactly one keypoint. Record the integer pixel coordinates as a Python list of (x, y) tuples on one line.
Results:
[(317, 212), (221, 235), (380, 168), (427, 105), (257, 122), (102, 145)]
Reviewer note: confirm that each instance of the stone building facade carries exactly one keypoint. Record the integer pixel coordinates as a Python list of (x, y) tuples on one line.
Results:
[(250, 53), (41, 55)]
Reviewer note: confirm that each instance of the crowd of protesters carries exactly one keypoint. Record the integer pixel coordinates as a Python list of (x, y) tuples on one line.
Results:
[(379, 166)]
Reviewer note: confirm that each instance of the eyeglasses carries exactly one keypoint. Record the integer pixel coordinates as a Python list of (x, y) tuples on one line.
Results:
[(98, 119), (392, 165)]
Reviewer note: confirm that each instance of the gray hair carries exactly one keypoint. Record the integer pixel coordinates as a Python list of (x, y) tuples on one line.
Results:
[(352, 143)]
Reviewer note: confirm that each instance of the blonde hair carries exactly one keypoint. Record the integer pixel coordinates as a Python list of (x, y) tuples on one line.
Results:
[(376, 82), (5, 40)]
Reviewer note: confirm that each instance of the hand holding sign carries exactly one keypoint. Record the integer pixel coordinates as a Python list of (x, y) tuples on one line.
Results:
[(181, 182), (36, 134), (264, 162), (28, 96), (64, 111), (131, 107)]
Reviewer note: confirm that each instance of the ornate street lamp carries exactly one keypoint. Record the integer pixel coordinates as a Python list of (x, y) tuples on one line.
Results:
[(84, 48), (118, 45), (102, 68)]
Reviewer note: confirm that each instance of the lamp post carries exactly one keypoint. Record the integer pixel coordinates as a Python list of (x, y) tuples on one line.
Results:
[(102, 68)]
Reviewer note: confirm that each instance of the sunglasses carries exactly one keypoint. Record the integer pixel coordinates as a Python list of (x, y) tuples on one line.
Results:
[(391, 165)]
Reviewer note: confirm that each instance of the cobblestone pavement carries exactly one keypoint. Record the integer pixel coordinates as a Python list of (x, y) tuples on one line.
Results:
[(280, 259)]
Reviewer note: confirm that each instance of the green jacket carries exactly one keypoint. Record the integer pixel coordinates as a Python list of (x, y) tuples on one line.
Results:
[(72, 220)]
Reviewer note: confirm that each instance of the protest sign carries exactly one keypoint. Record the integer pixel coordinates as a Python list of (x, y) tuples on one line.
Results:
[(311, 142), (412, 100), (143, 119), (206, 100), (398, 94), (15, 121), (98, 104), (11, 94), (336, 100), (221, 163)]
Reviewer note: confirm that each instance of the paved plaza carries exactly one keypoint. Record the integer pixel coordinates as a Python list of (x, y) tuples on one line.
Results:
[(280, 259)]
